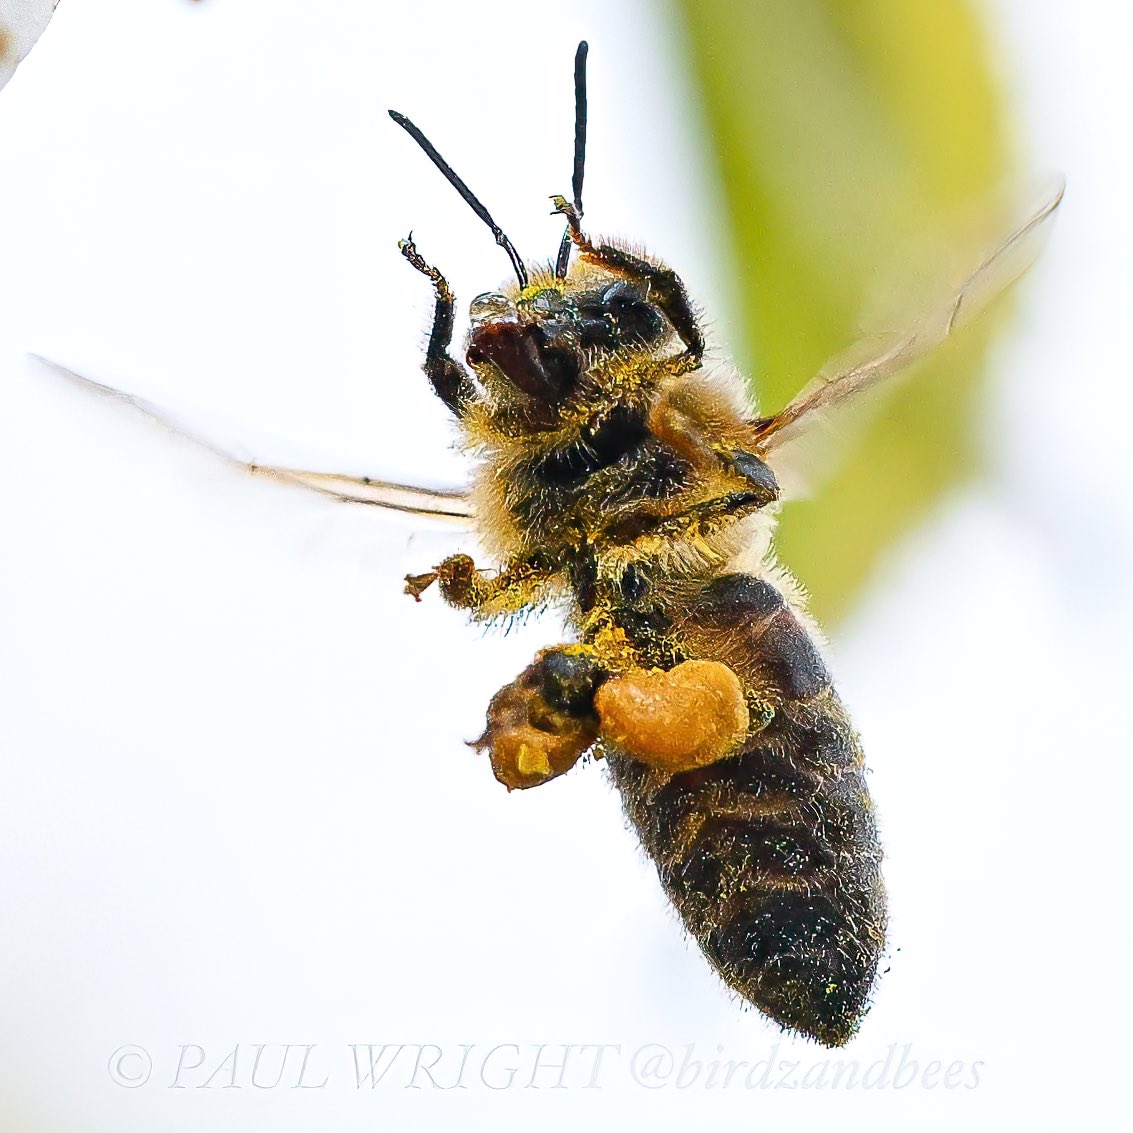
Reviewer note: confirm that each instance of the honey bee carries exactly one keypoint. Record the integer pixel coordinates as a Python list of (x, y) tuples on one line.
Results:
[(623, 476)]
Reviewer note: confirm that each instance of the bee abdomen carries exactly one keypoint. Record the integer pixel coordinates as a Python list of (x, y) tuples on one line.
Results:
[(745, 621), (774, 869), (771, 856)]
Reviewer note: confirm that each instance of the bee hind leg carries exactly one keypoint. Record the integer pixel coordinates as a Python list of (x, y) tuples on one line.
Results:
[(662, 284), (451, 382), (543, 722)]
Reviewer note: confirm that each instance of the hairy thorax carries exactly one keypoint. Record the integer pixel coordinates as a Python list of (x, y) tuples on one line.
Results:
[(597, 481)]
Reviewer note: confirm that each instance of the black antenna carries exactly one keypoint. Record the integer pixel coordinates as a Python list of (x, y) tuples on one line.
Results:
[(465, 192), (579, 151)]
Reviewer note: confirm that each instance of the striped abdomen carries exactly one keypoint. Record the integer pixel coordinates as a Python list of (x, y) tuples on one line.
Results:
[(771, 856)]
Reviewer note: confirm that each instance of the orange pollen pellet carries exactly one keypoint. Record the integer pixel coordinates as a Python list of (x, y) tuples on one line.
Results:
[(690, 716)]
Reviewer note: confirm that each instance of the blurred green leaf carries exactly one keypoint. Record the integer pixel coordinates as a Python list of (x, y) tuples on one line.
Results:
[(842, 130)]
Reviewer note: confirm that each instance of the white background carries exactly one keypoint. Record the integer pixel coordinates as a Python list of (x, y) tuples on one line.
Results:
[(236, 807)]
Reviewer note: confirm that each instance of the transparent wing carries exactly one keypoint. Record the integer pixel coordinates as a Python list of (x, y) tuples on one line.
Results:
[(876, 358), (438, 504), (448, 506)]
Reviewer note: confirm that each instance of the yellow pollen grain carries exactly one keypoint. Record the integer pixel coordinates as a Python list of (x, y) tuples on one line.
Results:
[(532, 761)]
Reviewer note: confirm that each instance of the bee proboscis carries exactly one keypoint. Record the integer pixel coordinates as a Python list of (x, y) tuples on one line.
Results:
[(622, 475)]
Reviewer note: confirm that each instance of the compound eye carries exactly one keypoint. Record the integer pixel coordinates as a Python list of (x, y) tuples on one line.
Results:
[(492, 307)]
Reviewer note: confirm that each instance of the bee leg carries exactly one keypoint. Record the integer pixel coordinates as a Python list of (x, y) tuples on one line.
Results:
[(692, 715), (462, 585), (647, 534), (663, 285), (541, 724), (449, 379)]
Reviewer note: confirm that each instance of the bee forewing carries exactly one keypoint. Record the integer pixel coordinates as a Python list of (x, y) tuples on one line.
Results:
[(450, 506), (878, 357)]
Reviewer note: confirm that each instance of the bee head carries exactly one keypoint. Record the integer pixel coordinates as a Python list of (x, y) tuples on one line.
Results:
[(542, 340)]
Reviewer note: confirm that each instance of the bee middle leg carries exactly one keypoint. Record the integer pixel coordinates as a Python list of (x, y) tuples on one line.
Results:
[(451, 382), (519, 585), (663, 285)]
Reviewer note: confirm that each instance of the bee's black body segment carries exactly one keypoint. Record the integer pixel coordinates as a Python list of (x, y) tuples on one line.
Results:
[(760, 636), (802, 953), (789, 659), (732, 598)]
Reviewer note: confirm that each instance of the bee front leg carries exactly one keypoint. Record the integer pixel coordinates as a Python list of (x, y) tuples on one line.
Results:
[(463, 585), (662, 284), (451, 382)]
